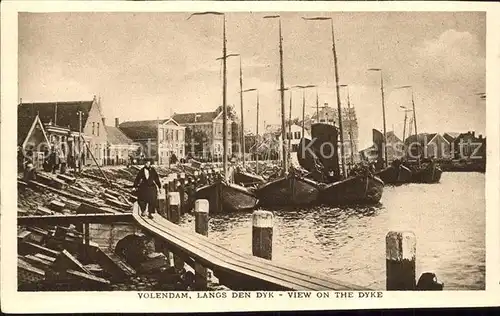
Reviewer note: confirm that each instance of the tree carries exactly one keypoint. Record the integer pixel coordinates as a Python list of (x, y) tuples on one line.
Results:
[(195, 138), (231, 112), (294, 121)]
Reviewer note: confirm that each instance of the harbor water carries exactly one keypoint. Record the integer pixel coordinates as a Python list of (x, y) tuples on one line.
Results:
[(348, 244)]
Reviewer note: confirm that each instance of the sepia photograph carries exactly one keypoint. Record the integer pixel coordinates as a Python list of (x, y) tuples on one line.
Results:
[(211, 154)]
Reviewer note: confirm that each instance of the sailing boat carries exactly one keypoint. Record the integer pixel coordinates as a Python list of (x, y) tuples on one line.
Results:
[(223, 196), (291, 189), (361, 187), (427, 171), (242, 175)]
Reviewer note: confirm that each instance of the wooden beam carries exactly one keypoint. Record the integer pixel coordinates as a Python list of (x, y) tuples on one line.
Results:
[(75, 219)]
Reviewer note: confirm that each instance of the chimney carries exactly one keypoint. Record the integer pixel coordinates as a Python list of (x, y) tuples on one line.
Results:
[(473, 134), (480, 136), (117, 122)]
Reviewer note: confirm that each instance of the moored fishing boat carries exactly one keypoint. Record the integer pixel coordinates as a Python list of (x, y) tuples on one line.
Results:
[(226, 197), (427, 172), (290, 190), (396, 173), (360, 189), (247, 179)]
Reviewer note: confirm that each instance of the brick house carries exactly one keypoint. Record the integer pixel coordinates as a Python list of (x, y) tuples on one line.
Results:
[(207, 126), (468, 146)]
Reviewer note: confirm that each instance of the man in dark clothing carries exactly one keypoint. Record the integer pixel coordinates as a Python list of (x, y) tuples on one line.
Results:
[(147, 183)]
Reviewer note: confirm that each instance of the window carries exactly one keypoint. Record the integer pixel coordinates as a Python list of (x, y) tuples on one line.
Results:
[(97, 129), (297, 135), (93, 128), (176, 135)]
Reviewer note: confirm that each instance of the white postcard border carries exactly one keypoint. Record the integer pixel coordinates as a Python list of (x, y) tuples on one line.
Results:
[(13, 301)]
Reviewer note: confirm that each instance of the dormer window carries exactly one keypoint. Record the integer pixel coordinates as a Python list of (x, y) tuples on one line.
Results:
[(97, 128), (93, 128)]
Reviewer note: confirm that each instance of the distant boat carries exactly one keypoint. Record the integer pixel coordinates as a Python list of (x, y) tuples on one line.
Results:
[(229, 197)]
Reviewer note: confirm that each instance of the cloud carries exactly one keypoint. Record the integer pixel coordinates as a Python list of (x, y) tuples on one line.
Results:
[(453, 57)]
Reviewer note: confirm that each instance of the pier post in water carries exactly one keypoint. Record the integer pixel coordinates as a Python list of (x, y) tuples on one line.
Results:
[(262, 234), (400, 261), (175, 217), (162, 203), (201, 208), (182, 190)]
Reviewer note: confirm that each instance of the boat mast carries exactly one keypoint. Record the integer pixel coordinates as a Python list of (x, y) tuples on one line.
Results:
[(282, 97), (414, 115), (350, 125), (290, 126), (317, 106), (257, 138), (404, 126), (339, 107), (242, 137), (383, 114), (224, 100), (303, 111)]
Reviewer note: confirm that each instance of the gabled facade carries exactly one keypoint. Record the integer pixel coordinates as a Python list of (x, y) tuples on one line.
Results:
[(171, 137), (63, 121), (157, 139), (34, 144)]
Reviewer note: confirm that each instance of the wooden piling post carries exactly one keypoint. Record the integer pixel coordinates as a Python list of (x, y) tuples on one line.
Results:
[(171, 189), (262, 234), (175, 217), (182, 191), (162, 203), (201, 208), (400, 261)]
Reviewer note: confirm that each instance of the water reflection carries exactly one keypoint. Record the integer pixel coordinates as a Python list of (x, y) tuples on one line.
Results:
[(348, 243)]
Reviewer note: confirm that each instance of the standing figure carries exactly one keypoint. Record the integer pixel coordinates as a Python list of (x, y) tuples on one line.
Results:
[(147, 183)]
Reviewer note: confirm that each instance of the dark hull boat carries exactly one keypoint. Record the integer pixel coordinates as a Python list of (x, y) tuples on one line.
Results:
[(323, 164), (430, 173), (229, 197), (247, 179), (395, 174), (362, 189), (291, 190)]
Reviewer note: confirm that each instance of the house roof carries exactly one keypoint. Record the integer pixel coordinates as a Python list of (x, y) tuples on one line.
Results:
[(116, 136), (391, 134), (137, 130), (67, 114), (420, 138), (190, 118), (450, 136)]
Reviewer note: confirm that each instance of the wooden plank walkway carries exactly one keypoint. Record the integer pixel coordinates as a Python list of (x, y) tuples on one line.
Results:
[(75, 219), (236, 270)]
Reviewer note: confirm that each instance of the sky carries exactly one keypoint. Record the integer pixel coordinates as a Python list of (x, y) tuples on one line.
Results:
[(150, 65)]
